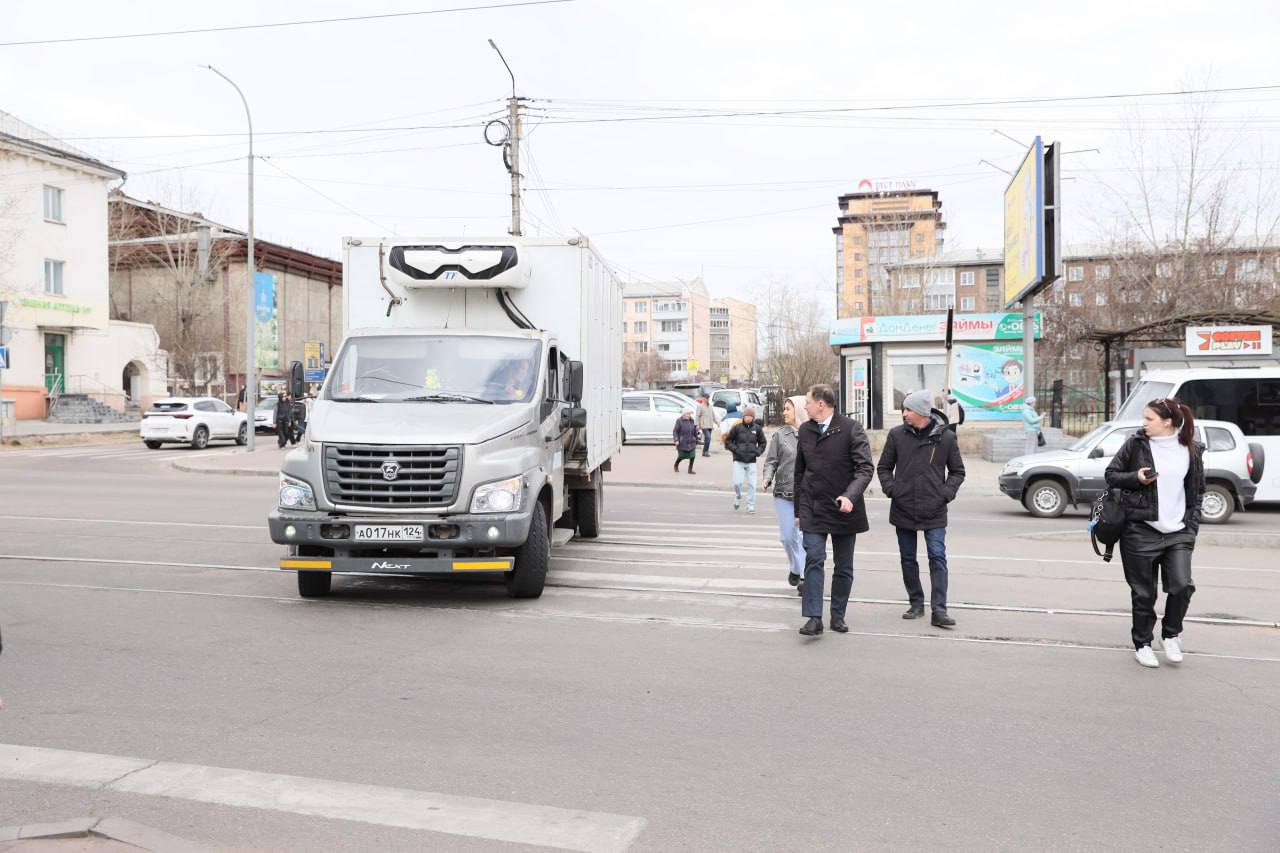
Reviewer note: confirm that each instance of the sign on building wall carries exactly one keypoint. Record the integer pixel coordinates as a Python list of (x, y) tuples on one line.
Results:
[(988, 380), (929, 327), (266, 319), (1228, 340)]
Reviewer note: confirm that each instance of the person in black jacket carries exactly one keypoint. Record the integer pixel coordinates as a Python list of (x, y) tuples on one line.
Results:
[(920, 472), (833, 470), (747, 443), (284, 419), (1160, 469)]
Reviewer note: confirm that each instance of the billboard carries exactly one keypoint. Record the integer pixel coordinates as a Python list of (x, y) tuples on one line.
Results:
[(1228, 340), (266, 321), (987, 379), (929, 327), (1024, 244)]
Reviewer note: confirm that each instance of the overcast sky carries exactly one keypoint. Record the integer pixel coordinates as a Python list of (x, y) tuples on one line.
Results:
[(644, 189)]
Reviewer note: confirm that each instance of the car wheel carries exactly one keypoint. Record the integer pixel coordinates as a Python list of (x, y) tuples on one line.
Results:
[(242, 437), (201, 438), (154, 445), (1218, 504), (1045, 499)]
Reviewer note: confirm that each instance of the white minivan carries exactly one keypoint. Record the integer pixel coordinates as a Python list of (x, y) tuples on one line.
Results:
[(1248, 397)]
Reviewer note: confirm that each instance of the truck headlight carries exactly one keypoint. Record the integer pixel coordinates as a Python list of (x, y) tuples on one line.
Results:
[(295, 494), (502, 496)]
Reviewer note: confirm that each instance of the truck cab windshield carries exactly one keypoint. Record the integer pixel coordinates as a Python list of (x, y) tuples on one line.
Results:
[(436, 369)]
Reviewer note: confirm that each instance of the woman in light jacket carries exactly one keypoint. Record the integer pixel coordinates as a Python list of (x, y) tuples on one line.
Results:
[(1161, 470), (779, 475)]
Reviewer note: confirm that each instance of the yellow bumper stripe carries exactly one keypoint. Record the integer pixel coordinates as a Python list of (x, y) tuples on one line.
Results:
[(306, 564), (488, 565)]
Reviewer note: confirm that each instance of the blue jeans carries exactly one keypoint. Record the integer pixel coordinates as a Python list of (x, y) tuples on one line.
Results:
[(789, 534), (815, 552), (935, 543), (706, 439), (745, 471)]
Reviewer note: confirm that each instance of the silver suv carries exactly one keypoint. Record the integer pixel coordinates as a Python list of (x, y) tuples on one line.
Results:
[(1047, 482)]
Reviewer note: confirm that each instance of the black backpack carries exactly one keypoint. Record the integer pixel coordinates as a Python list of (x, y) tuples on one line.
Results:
[(1106, 522)]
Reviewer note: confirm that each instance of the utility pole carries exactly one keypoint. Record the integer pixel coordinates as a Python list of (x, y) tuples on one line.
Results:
[(251, 347), (513, 145)]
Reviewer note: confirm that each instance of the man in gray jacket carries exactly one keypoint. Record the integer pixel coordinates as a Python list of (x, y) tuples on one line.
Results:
[(920, 472)]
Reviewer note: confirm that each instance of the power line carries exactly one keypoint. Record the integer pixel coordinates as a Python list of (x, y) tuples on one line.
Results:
[(279, 24)]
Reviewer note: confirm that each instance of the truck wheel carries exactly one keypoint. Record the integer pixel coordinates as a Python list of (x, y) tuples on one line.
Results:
[(1045, 499), (314, 584), (154, 445), (586, 509), (532, 559), (1218, 504)]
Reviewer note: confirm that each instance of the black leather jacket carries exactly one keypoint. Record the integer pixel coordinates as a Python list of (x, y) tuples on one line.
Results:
[(1140, 502)]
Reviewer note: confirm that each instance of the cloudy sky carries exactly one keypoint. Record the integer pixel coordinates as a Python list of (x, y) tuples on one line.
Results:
[(685, 137)]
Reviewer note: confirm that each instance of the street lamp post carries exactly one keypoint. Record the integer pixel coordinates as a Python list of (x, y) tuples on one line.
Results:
[(250, 357)]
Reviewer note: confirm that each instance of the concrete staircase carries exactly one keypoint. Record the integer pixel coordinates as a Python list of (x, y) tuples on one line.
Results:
[(83, 409), (1001, 445)]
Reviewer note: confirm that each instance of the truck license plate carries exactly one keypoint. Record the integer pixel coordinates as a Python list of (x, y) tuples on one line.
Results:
[(388, 533)]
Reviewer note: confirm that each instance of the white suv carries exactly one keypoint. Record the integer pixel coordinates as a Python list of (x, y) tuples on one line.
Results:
[(192, 420)]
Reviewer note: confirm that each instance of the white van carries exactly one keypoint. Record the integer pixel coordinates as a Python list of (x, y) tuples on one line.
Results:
[(1248, 397)]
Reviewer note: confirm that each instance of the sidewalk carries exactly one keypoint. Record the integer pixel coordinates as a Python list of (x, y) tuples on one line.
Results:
[(638, 465), (36, 433)]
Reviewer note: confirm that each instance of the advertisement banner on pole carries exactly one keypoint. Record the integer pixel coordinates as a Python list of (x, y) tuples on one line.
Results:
[(313, 361), (266, 322)]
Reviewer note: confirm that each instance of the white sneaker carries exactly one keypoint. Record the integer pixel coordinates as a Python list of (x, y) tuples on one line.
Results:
[(1173, 649), (1146, 657)]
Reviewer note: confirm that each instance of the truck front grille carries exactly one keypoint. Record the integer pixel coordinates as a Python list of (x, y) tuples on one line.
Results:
[(391, 476)]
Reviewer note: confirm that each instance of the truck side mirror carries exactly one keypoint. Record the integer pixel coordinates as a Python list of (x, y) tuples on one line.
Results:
[(575, 383), (297, 384), (573, 418)]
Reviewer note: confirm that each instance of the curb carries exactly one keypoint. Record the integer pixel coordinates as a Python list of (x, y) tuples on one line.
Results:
[(234, 472), (111, 828)]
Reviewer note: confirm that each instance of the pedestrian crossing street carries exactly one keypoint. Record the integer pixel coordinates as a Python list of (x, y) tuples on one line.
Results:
[(114, 453)]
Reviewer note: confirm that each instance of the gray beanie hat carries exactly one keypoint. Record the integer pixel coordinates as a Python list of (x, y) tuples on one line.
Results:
[(919, 402)]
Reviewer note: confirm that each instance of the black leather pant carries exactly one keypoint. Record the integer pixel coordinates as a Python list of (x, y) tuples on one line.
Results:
[(1144, 552)]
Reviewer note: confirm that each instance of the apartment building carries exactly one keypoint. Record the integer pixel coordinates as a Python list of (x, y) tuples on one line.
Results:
[(876, 231), (670, 320), (972, 285), (734, 333)]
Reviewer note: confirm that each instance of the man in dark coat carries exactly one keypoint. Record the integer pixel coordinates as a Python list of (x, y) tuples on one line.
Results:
[(920, 472), (833, 469), (284, 419)]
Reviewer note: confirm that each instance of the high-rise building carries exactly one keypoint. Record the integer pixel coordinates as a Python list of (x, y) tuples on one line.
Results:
[(878, 230), (734, 332)]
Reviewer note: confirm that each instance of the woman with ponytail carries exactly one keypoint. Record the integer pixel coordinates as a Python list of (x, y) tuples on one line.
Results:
[(1161, 470)]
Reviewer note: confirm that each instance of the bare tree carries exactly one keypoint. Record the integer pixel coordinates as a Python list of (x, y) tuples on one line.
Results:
[(175, 258), (797, 353), (643, 369)]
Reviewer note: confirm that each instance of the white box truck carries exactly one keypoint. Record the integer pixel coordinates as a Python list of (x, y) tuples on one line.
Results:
[(473, 407)]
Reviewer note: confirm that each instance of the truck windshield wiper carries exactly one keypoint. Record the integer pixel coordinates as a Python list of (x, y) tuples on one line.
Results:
[(445, 397)]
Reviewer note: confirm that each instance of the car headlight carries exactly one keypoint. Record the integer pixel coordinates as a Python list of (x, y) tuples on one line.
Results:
[(502, 496), (295, 494), (1012, 467)]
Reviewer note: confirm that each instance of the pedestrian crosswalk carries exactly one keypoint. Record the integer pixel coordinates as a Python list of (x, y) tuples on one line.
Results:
[(128, 453)]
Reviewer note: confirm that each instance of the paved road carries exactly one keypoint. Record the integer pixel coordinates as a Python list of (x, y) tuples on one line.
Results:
[(656, 698)]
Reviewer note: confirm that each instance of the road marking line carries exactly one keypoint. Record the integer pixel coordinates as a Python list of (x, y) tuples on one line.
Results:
[(452, 814), (64, 519)]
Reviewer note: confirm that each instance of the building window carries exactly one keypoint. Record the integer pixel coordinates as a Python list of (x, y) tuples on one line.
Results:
[(993, 279), (1130, 297), (859, 273), (910, 280), (1164, 269), (664, 347), (53, 277), (675, 306), (857, 256), (1219, 267), (919, 238), (1162, 296), (53, 204), (641, 326), (671, 325), (857, 306), (1102, 271), (939, 301), (1100, 299), (1075, 273), (641, 307), (1247, 269), (967, 303), (1077, 299), (642, 346), (966, 277)]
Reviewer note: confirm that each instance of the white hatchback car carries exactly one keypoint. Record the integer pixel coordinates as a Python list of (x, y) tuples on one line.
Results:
[(192, 420)]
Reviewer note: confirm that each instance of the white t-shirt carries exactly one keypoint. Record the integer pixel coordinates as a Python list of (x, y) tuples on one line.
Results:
[(1172, 462)]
